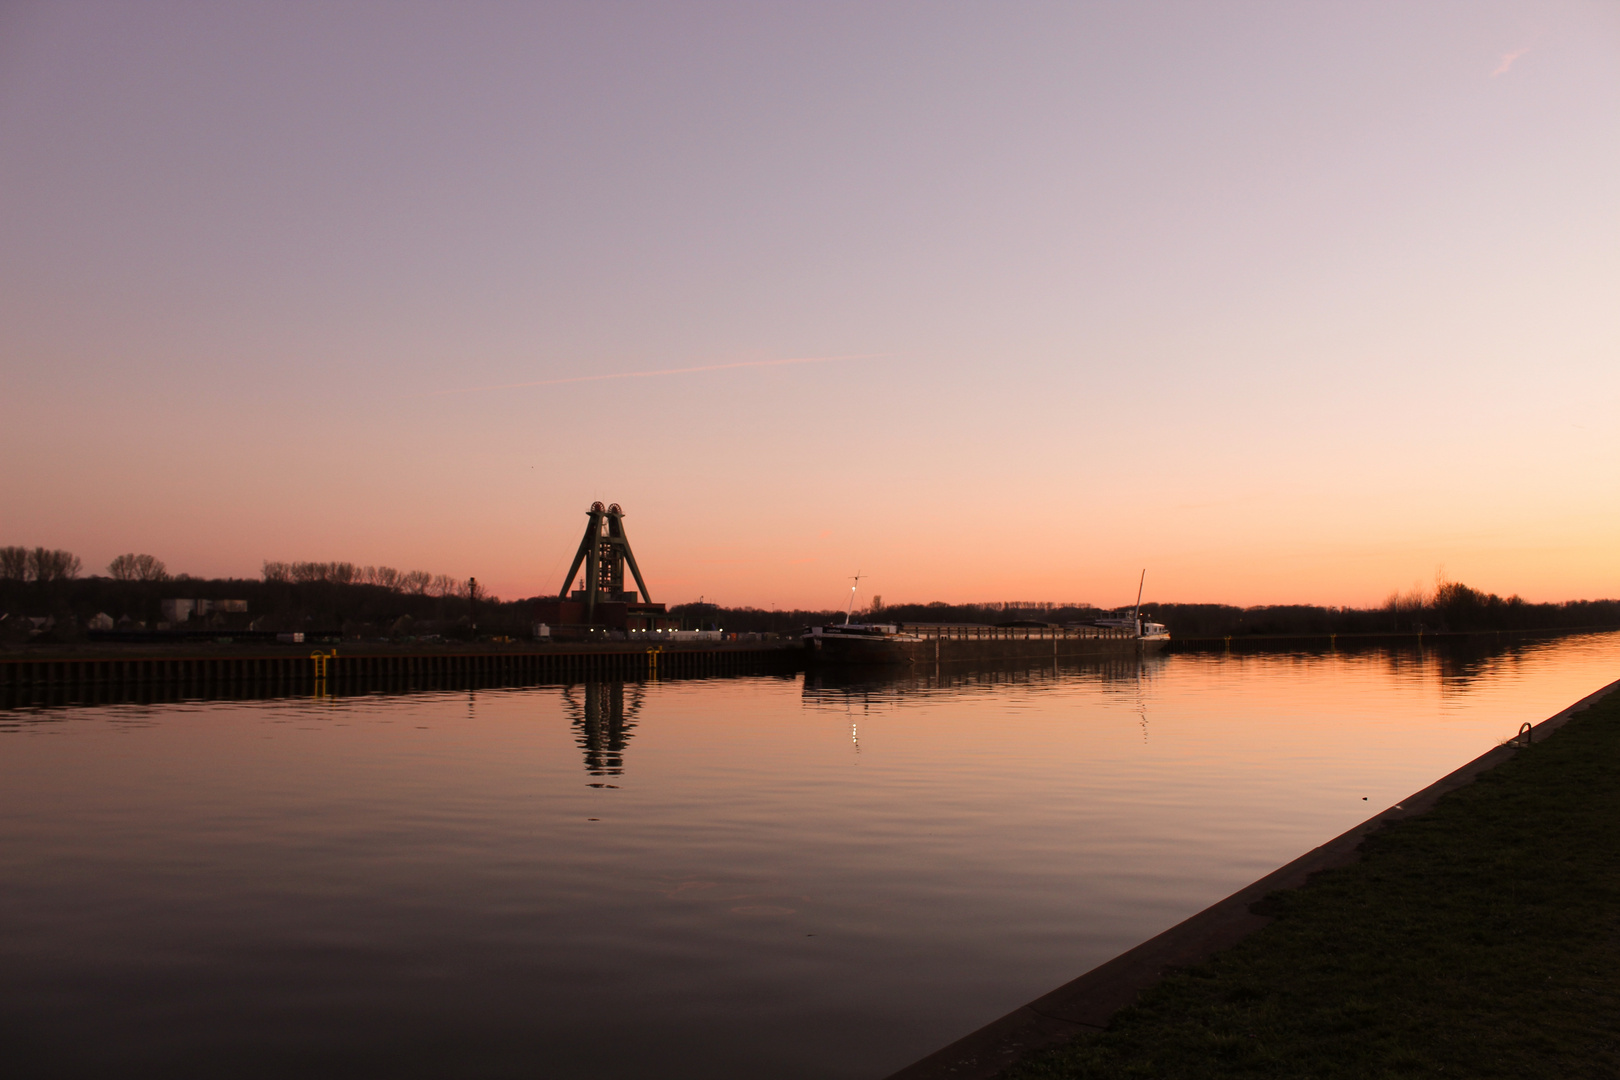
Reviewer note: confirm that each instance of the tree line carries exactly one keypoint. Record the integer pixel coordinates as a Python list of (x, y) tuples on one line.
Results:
[(415, 582), (1450, 606), (38, 564), (44, 596), (381, 602)]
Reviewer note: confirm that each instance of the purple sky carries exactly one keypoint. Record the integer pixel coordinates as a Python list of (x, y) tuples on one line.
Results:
[(1284, 302)]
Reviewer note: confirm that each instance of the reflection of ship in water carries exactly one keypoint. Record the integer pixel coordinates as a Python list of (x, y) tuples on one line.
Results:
[(602, 723), (875, 685)]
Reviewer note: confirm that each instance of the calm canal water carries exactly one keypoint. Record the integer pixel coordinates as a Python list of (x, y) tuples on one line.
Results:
[(742, 877)]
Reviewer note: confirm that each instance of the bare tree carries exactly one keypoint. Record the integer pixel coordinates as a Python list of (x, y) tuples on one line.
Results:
[(417, 582), (138, 568), (13, 563), (45, 564)]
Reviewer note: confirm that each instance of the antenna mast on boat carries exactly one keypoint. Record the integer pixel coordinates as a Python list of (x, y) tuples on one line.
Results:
[(1136, 612), (857, 580)]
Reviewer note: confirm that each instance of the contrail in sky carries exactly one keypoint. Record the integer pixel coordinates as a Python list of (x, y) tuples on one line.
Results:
[(1507, 61), (665, 371)]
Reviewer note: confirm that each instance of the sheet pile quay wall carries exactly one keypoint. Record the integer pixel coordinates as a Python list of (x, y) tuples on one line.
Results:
[(96, 679)]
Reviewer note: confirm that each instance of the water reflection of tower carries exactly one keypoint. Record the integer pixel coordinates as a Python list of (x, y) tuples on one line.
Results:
[(602, 724)]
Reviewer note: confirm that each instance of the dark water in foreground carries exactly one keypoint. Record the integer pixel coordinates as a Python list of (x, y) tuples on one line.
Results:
[(742, 877)]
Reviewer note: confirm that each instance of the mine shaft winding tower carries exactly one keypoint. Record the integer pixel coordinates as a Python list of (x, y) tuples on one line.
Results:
[(601, 603), (603, 552)]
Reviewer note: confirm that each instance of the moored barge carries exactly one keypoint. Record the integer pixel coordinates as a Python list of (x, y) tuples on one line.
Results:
[(862, 643), (910, 643)]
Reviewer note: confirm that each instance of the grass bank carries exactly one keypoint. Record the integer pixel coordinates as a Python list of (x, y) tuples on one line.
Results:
[(1481, 939)]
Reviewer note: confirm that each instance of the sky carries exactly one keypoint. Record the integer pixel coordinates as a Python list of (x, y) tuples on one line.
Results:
[(1281, 302)]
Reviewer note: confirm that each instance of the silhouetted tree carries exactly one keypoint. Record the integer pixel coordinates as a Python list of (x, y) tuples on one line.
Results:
[(13, 563), (45, 564), (386, 576), (137, 568)]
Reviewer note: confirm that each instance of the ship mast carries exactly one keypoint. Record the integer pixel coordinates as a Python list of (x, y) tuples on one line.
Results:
[(1136, 616), (857, 580)]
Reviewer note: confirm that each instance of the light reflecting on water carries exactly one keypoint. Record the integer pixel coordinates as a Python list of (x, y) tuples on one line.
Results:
[(730, 877)]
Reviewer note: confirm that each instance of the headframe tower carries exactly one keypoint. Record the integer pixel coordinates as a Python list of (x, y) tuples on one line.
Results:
[(603, 552)]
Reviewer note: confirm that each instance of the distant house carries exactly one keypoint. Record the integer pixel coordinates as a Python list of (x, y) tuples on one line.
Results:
[(179, 611), (101, 621)]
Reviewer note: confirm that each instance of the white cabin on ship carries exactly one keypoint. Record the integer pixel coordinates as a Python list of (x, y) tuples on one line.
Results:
[(1144, 630)]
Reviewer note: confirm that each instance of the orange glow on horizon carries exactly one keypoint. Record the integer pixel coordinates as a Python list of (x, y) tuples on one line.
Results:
[(1019, 303)]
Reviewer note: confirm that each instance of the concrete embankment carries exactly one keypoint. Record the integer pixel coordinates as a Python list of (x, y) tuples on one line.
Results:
[(1479, 932)]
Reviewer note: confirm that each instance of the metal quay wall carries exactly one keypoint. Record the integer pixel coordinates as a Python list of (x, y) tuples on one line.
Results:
[(111, 678)]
